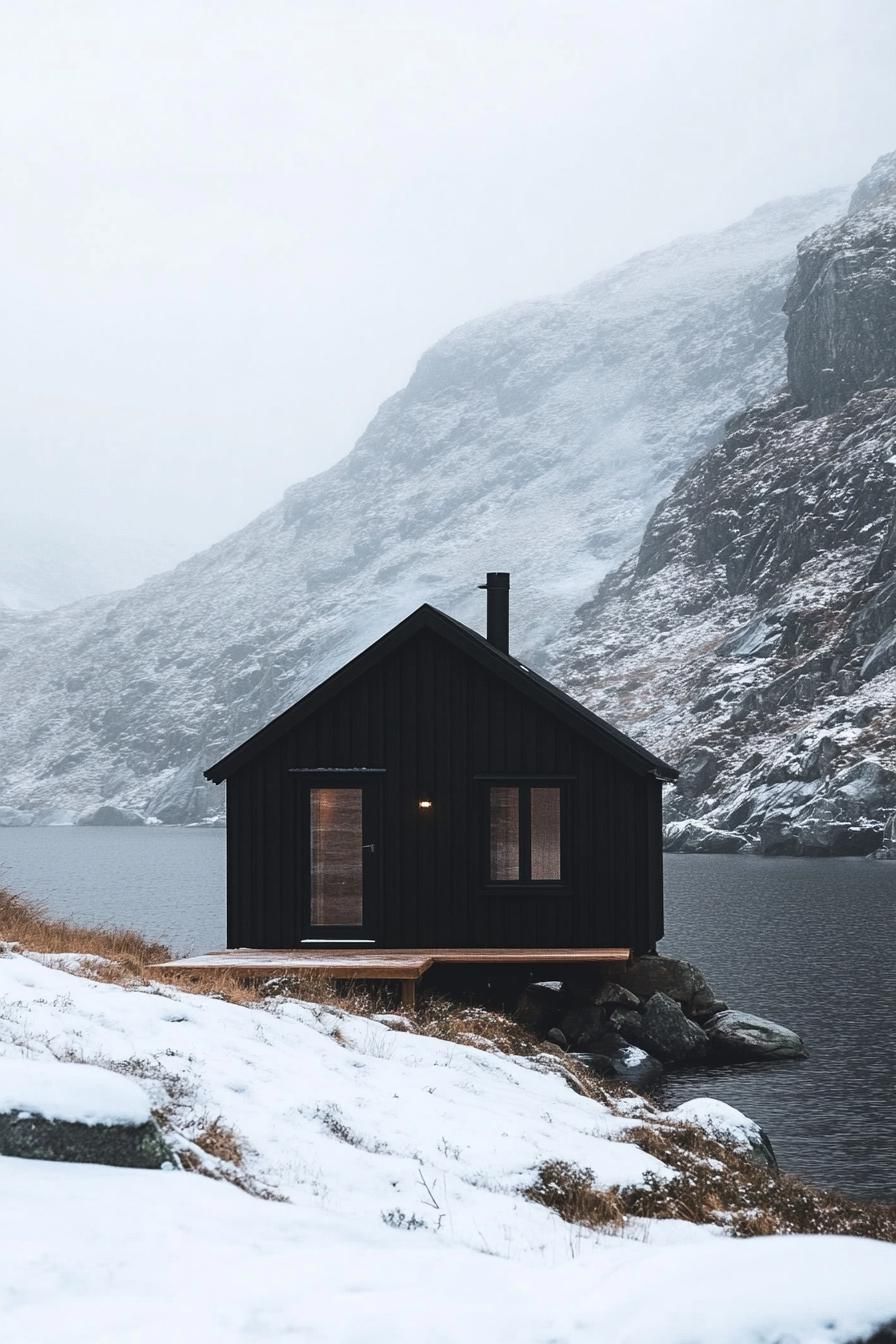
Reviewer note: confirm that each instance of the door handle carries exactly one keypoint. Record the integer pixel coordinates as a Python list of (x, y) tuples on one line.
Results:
[(372, 848)]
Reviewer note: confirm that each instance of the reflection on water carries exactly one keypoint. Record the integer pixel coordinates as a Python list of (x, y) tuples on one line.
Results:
[(808, 942)]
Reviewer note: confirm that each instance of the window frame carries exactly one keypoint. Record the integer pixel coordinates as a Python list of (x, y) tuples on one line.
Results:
[(525, 784)]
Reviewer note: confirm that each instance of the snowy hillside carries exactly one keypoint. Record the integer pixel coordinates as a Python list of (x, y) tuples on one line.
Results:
[(536, 440), (394, 1166), (753, 635)]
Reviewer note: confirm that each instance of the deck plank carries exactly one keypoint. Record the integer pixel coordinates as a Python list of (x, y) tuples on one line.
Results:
[(387, 964)]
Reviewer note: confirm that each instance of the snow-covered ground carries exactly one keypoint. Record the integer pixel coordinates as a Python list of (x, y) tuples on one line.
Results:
[(402, 1159)]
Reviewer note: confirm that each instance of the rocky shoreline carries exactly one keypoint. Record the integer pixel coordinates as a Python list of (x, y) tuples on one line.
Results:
[(655, 1013)]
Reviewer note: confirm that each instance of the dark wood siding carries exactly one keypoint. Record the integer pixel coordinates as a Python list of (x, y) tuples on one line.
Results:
[(436, 722)]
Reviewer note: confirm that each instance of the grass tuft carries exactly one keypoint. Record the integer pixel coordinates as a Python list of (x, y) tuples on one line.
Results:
[(220, 1142), (711, 1183), (26, 922), (570, 1191)]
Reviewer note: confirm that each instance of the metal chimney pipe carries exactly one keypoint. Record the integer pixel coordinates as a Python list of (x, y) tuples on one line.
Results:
[(497, 588)]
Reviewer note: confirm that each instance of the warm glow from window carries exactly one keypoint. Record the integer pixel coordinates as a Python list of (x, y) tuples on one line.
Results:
[(525, 833)]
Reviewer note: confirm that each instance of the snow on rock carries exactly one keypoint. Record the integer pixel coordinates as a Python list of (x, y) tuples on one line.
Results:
[(730, 1127), (538, 439), (81, 1093), (719, 1120), (753, 634)]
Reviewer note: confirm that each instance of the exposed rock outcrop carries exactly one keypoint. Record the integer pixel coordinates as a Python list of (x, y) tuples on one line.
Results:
[(77, 1113), (753, 635), (741, 1036), (665, 1012), (663, 1030)]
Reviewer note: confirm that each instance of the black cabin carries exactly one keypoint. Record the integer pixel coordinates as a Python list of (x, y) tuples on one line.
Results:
[(436, 793)]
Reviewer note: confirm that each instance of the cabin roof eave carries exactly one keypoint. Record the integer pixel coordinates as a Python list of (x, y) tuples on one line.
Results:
[(493, 659)]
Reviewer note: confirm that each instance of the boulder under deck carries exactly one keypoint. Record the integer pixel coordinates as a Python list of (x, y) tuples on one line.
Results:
[(405, 965)]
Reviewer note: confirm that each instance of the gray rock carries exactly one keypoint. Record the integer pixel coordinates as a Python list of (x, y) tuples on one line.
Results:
[(630, 1064), (612, 995), (697, 769), (541, 1005), (598, 1063), (819, 758), (111, 816), (697, 837), (888, 843), (26, 1135), (556, 1037), (15, 816), (679, 980), (705, 1009), (601, 1041), (842, 307), (663, 1030), (625, 1023), (761, 1153), (741, 1036), (758, 638), (583, 1023)]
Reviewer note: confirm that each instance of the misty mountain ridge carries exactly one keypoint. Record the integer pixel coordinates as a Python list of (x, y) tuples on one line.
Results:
[(753, 632), (538, 440)]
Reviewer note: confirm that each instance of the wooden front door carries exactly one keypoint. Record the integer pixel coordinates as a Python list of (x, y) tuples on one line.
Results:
[(341, 819)]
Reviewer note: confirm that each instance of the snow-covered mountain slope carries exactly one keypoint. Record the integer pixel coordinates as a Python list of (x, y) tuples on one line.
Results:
[(535, 440), (402, 1161), (753, 635)]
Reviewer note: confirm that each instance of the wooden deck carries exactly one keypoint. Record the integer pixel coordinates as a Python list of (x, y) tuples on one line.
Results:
[(405, 965)]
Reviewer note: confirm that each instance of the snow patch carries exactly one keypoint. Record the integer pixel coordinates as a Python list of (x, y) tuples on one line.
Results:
[(78, 1093)]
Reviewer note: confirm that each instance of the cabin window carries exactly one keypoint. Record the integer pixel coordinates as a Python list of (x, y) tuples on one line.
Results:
[(525, 833)]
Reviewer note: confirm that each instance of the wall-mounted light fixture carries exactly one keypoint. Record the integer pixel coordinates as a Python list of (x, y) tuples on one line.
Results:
[(425, 803)]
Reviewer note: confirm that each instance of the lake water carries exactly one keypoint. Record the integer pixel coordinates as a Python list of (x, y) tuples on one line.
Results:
[(808, 942)]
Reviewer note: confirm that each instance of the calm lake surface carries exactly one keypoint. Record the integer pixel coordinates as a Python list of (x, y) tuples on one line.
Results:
[(808, 942)]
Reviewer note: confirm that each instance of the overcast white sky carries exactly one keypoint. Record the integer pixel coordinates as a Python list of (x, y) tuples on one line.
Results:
[(227, 231)]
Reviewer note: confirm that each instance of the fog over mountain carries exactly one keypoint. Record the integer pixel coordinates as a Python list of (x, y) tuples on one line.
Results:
[(538, 439), (46, 563)]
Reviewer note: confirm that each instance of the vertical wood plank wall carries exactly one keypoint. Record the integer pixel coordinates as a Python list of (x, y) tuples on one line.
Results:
[(433, 719)]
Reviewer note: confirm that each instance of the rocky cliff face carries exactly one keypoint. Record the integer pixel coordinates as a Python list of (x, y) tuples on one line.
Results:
[(753, 635), (536, 440)]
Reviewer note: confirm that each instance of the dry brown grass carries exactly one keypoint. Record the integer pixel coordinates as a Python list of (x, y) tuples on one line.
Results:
[(570, 1191), (469, 1025), (24, 921), (711, 1183), (216, 1151), (220, 1142)]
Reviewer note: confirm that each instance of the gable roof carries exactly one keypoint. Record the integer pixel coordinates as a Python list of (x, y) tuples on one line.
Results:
[(500, 664)]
